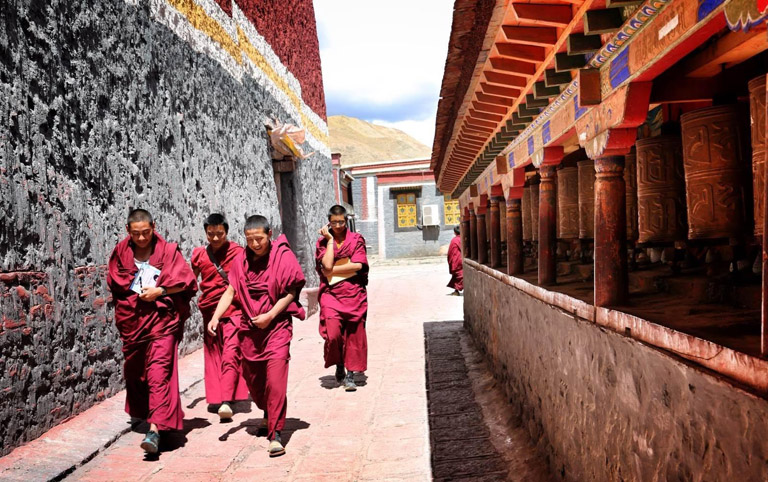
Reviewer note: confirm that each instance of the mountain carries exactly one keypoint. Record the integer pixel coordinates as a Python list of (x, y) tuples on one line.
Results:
[(361, 142)]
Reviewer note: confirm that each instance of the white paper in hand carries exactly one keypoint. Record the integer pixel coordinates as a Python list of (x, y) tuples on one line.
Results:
[(146, 277)]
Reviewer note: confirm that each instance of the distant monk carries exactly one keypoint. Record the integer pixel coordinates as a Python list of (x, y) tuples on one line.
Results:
[(343, 271), (455, 266), (267, 280), (152, 286), (223, 379)]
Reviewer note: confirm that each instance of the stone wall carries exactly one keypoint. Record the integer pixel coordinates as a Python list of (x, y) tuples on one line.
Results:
[(605, 407), (104, 108)]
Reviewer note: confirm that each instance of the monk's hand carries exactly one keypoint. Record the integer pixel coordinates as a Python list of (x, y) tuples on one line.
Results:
[(212, 326), (262, 321), (325, 232), (150, 294)]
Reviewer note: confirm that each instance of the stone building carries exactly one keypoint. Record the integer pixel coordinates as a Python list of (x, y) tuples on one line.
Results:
[(398, 209), (114, 104), (609, 160)]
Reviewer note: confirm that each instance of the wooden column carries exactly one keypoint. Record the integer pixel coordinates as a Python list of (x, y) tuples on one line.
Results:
[(465, 249), (764, 333), (482, 239), (611, 282), (514, 237), (547, 226), (495, 232), (472, 235)]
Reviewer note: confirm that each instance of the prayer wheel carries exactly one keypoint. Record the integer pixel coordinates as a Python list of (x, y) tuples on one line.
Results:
[(526, 208), (630, 183), (757, 115), (714, 143), (535, 209), (586, 199), (568, 203), (661, 190)]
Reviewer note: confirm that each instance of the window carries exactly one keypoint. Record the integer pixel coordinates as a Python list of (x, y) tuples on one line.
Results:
[(406, 210), (452, 212)]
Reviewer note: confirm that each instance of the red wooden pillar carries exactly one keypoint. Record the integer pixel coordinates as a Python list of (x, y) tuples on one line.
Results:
[(547, 226), (611, 281), (465, 249), (472, 235), (495, 232), (764, 336), (514, 236), (482, 236)]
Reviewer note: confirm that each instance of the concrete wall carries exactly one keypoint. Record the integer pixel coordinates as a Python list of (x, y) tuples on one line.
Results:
[(104, 107), (605, 407), (367, 225)]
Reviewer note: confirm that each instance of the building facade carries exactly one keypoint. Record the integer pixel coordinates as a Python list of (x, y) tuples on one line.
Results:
[(112, 105), (623, 143)]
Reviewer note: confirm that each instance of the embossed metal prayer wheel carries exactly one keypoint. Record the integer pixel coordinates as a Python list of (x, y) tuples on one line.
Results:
[(630, 183), (757, 116), (535, 209), (586, 199), (526, 208), (568, 203), (661, 190), (714, 152)]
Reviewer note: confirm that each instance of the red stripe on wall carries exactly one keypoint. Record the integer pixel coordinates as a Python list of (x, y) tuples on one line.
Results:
[(225, 5)]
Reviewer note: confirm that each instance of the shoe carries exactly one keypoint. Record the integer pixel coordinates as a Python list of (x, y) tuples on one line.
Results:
[(225, 411), (340, 373), (151, 443), (276, 448), (455, 293), (349, 382)]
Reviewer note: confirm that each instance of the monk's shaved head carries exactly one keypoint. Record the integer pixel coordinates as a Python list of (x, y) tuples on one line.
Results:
[(337, 210), (257, 221), (139, 216), (216, 219), (456, 230)]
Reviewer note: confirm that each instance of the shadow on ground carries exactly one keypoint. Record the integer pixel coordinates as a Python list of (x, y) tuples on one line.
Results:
[(251, 426), (329, 381)]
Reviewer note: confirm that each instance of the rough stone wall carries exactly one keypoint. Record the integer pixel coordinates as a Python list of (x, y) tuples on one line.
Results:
[(103, 109), (604, 407)]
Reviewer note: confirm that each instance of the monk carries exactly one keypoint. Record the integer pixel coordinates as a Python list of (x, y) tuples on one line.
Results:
[(224, 383), (152, 286), (267, 280), (342, 265), (455, 266)]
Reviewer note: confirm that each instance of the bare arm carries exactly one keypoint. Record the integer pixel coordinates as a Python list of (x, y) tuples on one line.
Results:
[(263, 320), (347, 268), (224, 303)]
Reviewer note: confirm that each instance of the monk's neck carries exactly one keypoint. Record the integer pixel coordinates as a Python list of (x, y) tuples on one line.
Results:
[(221, 249), (339, 238), (142, 254)]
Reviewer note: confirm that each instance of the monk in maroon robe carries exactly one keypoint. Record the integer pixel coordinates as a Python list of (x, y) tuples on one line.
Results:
[(152, 287), (224, 382), (343, 270), (267, 280), (455, 266)]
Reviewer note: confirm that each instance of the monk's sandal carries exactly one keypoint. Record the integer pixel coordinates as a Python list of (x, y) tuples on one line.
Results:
[(225, 411), (276, 448), (151, 443), (349, 382)]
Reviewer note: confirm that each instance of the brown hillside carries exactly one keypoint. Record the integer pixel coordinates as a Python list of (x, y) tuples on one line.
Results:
[(361, 142)]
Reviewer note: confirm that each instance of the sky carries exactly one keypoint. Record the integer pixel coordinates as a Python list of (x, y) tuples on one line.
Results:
[(383, 61)]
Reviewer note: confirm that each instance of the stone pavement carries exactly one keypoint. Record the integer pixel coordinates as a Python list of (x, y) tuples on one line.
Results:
[(380, 432)]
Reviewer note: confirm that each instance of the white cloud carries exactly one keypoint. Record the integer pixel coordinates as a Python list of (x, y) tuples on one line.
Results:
[(384, 56), (421, 130)]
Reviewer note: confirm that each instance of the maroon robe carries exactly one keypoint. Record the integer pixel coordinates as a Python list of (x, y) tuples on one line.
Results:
[(259, 284), (344, 306), (151, 331), (455, 266), (223, 377)]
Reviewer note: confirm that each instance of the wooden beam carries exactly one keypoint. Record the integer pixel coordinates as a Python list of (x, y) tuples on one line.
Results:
[(471, 137), (589, 87), (578, 43), (505, 79), (511, 65), (529, 53), (543, 14), (518, 119), (480, 123), (500, 91), (484, 116), (552, 78), (729, 50), (541, 91), (482, 130), (534, 102), (496, 109), (603, 21), (565, 62), (492, 99), (526, 111), (543, 36), (622, 3)]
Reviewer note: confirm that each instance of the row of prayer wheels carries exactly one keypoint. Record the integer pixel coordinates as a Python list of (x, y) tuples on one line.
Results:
[(696, 185)]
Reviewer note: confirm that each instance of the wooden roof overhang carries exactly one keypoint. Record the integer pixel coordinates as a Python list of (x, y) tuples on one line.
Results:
[(590, 76)]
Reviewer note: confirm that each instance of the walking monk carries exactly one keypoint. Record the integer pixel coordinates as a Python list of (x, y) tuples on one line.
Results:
[(455, 266), (152, 286), (343, 270), (223, 379), (267, 280)]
